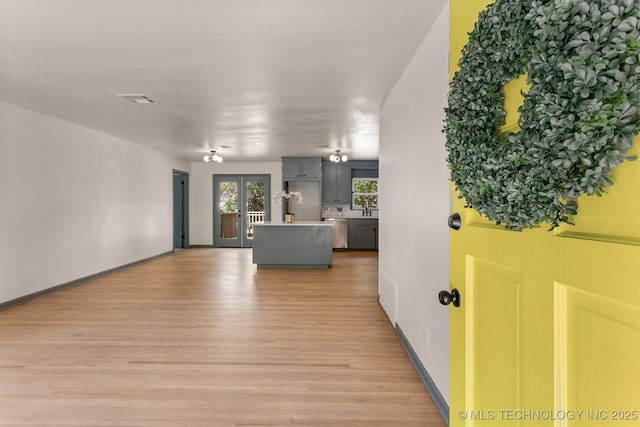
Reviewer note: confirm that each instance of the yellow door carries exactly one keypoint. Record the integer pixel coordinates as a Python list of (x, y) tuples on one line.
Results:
[(548, 330)]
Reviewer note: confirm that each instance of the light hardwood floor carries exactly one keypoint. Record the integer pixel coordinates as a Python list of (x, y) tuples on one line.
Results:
[(203, 338)]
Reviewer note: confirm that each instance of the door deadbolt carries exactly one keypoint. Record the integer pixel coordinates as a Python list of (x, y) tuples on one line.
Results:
[(454, 221)]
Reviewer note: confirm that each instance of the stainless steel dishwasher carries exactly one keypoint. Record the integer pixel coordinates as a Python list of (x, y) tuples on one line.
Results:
[(340, 232)]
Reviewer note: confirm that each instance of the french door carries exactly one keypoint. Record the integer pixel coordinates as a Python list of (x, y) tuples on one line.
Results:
[(239, 202)]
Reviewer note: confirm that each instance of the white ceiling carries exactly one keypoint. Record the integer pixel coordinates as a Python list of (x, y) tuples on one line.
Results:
[(263, 78)]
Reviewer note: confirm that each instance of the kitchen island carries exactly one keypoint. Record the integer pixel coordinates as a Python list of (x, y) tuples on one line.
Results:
[(303, 244)]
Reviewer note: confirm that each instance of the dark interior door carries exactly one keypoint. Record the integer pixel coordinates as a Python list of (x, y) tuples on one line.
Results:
[(179, 210)]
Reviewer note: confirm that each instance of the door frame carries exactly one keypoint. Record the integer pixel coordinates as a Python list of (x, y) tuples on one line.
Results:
[(242, 241), (185, 208)]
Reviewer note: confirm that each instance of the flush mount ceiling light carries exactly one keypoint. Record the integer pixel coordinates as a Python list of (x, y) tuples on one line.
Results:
[(213, 157), (337, 158), (137, 98)]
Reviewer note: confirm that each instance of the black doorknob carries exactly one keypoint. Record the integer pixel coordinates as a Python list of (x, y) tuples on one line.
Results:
[(454, 221), (447, 297)]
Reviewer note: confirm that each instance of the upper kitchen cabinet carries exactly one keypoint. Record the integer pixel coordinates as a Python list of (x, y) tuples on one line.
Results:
[(336, 182), (301, 168)]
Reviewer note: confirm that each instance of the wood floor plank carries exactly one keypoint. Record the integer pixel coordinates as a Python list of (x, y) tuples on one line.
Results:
[(203, 338)]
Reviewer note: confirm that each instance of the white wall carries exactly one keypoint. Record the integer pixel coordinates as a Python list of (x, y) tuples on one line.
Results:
[(414, 199), (76, 202), (201, 193)]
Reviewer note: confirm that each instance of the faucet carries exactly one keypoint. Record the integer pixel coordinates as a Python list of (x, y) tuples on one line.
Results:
[(366, 211)]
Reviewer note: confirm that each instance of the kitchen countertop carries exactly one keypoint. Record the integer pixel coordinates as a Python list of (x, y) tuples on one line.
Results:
[(272, 223), (349, 215)]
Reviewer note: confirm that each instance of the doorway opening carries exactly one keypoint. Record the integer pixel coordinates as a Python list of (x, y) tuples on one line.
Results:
[(239, 201)]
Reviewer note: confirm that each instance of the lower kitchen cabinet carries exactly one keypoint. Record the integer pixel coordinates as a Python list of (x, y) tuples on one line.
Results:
[(363, 233)]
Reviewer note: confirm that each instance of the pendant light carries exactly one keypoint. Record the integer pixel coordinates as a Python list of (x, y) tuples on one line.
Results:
[(337, 158), (213, 157)]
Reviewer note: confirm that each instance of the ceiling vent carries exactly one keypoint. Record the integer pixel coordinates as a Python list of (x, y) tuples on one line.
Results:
[(137, 98)]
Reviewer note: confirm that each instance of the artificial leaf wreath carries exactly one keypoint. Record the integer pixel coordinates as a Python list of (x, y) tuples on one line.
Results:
[(579, 117)]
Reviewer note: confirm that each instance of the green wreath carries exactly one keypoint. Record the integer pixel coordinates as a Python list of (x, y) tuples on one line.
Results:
[(579, 117)]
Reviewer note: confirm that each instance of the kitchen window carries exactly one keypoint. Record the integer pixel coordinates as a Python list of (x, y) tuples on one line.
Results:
[(364, 193)]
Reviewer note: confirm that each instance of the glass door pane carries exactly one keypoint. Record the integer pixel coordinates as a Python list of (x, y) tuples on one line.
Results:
[(255, 207), (227, 211)]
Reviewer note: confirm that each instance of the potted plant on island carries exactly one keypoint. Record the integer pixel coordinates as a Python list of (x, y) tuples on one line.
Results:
[(288, 217)]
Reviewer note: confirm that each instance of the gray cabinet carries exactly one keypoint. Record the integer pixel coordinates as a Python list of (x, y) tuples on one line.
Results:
[(293, 246), (336, 182), (301, 168), (363, 233), (371, 165)]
